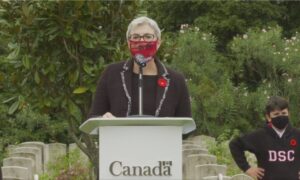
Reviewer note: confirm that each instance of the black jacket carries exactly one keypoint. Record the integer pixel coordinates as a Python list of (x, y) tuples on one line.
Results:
[(279, 157), (113, 93)]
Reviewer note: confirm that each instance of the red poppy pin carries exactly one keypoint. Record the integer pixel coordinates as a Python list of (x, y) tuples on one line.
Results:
[(162, 82), (293, 142)]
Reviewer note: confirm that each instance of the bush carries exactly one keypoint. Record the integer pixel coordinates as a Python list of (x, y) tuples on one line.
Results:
[(231, 92), (212, 92), (265, 65), (26, 125), (68, 167)]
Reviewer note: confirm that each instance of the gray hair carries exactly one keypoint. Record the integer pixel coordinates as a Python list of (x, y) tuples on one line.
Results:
[(141, 21)]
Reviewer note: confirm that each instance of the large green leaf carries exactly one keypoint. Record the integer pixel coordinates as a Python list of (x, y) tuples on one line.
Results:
[(80, 90), (9, 99), (13, 107), (74, 110), (37, 77), (14, 54), (26, 62)]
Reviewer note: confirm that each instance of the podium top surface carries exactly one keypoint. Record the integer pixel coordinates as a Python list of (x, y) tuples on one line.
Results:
[(91, 125)]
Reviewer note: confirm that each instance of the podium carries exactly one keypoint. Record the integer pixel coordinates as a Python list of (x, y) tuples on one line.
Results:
[(139, 148)]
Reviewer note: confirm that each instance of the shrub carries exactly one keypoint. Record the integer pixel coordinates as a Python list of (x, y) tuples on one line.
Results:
[(68, 167)]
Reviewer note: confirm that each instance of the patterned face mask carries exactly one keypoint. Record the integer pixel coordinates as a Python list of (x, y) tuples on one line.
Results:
[(147, 49)]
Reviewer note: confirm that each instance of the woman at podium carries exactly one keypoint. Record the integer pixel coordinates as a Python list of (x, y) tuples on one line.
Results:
[(164, 91)]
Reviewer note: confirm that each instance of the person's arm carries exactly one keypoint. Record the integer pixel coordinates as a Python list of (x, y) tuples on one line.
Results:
[(184, 106), (238, 146), (100, 104)]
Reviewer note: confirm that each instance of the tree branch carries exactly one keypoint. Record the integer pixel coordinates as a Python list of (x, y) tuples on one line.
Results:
[(69, 52)]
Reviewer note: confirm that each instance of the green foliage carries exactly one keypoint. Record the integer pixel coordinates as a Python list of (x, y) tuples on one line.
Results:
[(68, 167), (27, 125), (171, 14), (224, 19), (232, 54), (55, 52), (222, 152), (58, 50), (253, 53), (210, 87), (265, 64), (230, 18), (231, 92), (290, 19)]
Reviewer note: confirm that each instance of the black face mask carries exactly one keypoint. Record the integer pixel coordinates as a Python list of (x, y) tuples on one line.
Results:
[(280, 122)]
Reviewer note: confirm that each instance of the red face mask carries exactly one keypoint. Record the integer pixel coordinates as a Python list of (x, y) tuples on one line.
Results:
[(147, 49)]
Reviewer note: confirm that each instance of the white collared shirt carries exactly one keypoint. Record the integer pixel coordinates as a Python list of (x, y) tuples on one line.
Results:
[(280, 133)]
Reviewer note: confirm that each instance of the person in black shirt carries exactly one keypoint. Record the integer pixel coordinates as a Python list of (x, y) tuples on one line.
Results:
[(276, 145), (165, 93)]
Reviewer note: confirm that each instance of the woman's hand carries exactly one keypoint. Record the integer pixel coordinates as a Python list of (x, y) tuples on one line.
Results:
[(108, 115)]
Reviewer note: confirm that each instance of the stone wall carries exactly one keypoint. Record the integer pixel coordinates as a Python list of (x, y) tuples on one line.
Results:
[(30, 159)]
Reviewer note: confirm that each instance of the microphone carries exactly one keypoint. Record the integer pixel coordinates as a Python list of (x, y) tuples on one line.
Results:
[(140, 60)]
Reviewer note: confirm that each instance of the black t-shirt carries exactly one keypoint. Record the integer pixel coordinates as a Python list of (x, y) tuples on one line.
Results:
[(149, 94)]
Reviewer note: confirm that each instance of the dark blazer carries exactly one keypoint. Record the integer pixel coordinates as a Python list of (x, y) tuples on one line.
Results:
[(113, 93)]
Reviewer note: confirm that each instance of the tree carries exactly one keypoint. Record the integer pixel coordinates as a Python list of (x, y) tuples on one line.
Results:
[(265, 64), (224, 19), (212, 92), (57, 51)]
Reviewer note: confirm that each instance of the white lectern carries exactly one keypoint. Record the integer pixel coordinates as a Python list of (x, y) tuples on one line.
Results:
[(138, 148)]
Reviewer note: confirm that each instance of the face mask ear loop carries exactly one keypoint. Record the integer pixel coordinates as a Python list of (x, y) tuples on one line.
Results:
[(269, 124)]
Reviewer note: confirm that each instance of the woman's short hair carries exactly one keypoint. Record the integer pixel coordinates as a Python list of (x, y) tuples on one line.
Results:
[(276, 103), (141, 21)]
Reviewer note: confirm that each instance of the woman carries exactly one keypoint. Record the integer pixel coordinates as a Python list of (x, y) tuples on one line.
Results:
[(165, 93)]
